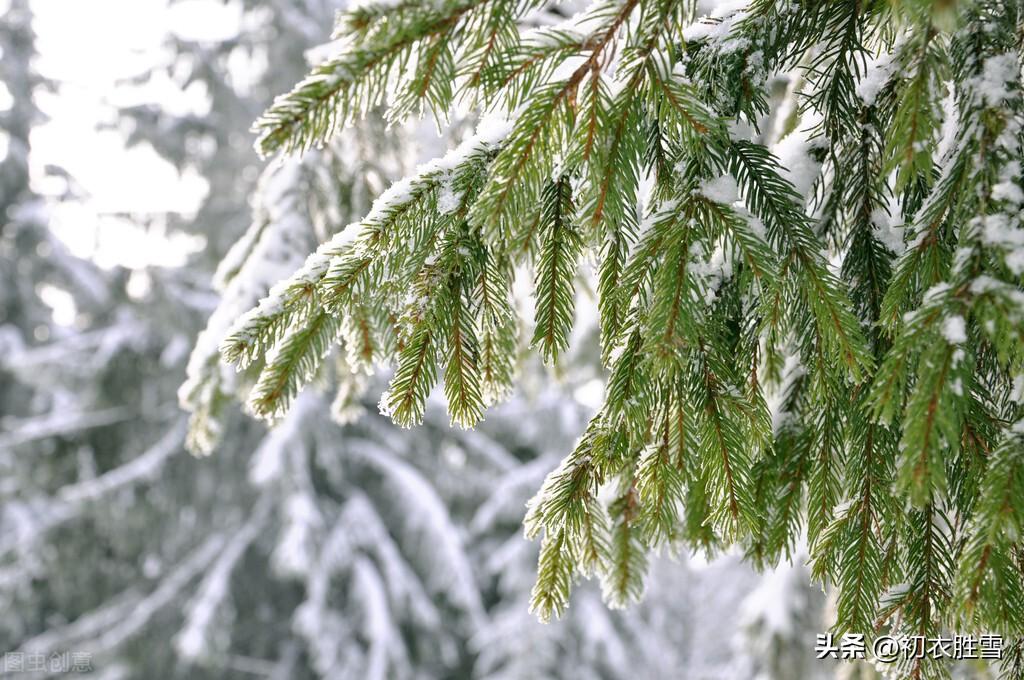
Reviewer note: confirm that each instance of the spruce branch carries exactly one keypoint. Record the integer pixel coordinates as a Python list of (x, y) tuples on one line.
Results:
[(561, 246), (810, 304)]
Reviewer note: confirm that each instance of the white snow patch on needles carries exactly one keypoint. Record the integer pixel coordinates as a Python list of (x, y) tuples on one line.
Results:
[(721, 190), (997, 71), (716, 27), (954, 329), (792, 152), (878, 73)]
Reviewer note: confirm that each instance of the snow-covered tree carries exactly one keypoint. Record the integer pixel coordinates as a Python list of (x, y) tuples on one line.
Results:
[(34, 264), (375, 526), (84, 417), (332, 546), (810, 300)]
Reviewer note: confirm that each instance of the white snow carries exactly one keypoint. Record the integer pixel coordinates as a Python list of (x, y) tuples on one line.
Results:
[(934, 293), (353, 5), (717, 25), (1017, 393), (877, 74), (742, 129), (996, 72), (710, 271), (792, 152), (1008, 188), (144, 466), (285, 438), (888, 229), (108, 627), (448, 200), (1015, 261), (722, 189), (1008, 191), (279, 238), (194, 638), (429, 518), (954, 330), (950, 124), (590, 393), (491, 131), (295, 548), (1005, 232)]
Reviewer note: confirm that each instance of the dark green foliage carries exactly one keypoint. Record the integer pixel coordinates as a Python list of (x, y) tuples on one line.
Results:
[(560, 246), (876, 305)]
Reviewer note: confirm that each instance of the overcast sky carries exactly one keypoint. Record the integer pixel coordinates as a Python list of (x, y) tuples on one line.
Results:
[(87, 48)]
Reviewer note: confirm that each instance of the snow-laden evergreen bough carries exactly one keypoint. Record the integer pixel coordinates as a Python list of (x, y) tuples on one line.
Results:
[(811, 307)]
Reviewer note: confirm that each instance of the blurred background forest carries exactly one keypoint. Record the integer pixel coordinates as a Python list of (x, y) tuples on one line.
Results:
[(334, 546)]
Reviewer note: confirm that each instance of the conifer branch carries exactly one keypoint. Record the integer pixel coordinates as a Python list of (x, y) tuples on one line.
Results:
[(865, 280), (560, 248)]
